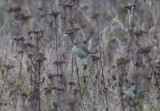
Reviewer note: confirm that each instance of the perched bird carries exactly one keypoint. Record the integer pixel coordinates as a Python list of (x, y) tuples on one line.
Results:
[(80, 50)]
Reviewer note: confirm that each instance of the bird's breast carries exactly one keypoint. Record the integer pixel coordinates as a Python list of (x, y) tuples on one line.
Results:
[(79, 52)]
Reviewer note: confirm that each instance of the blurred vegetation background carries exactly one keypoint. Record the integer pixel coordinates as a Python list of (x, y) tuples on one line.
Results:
[(39, 72)]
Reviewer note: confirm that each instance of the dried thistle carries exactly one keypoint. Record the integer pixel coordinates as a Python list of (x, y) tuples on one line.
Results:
[(95, 58), (48, 89), (54, 13), (8, 66), (17, 39), (30, 54), (95, 15), (23, 17), (69, 31), (71, 81), (14, 9), (21, 52), (58, 62), (40, 57), (139, 32), (85, 76), (105, 89), (50, 76), (28, 45), (85, 6), (72, 30), (60, 88), (76, 27), (35, 32), (122, 61), (69, 4), (144, 50), (129, 6), (54, 87)]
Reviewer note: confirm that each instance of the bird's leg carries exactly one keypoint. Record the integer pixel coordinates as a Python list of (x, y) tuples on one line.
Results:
[(77, 61)]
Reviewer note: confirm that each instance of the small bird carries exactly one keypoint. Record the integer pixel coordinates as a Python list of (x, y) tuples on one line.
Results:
[(80, 50)]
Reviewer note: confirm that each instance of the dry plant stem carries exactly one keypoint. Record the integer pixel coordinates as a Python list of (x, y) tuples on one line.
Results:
[(39, 76), (64, 19), (121, 91), (31, 78), (72, 62), (72, 65), (100, 52), (72, 57), (4, 83), (156, 79), (72, 69), (97, 75), (70, 9), (39, 102), (123, 68), (35, 100), (79, 81), (130, 50), (20, 70), (107, 103), (130, 28), (56, 33), (56, 41), (78, 74)]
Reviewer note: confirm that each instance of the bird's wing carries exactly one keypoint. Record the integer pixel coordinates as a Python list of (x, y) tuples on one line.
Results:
[(85, 49)]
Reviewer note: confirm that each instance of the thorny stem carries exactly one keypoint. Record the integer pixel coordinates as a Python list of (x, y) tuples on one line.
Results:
[(56, 41), (130, 28), (39, 68), (39, 73), (79, 80), (57, 54), (73, 54), (130, 17), (72, 64), (121, 83), (70, 9), (97, 75), (20, 71), (75, 64), (130, 14), (106, 101), (31, 78), (37, 43), (121, 78), (100, 51), (4, 83)]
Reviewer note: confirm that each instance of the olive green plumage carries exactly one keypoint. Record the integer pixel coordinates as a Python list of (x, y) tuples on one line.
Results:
[(80, 50)]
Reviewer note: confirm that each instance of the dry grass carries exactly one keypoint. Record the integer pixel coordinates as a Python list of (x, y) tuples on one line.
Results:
[(39, 72)]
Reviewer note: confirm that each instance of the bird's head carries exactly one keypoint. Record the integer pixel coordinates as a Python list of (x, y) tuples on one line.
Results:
[(78, 44)]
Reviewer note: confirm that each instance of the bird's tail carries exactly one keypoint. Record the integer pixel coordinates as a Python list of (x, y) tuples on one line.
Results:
[(93, 52)]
